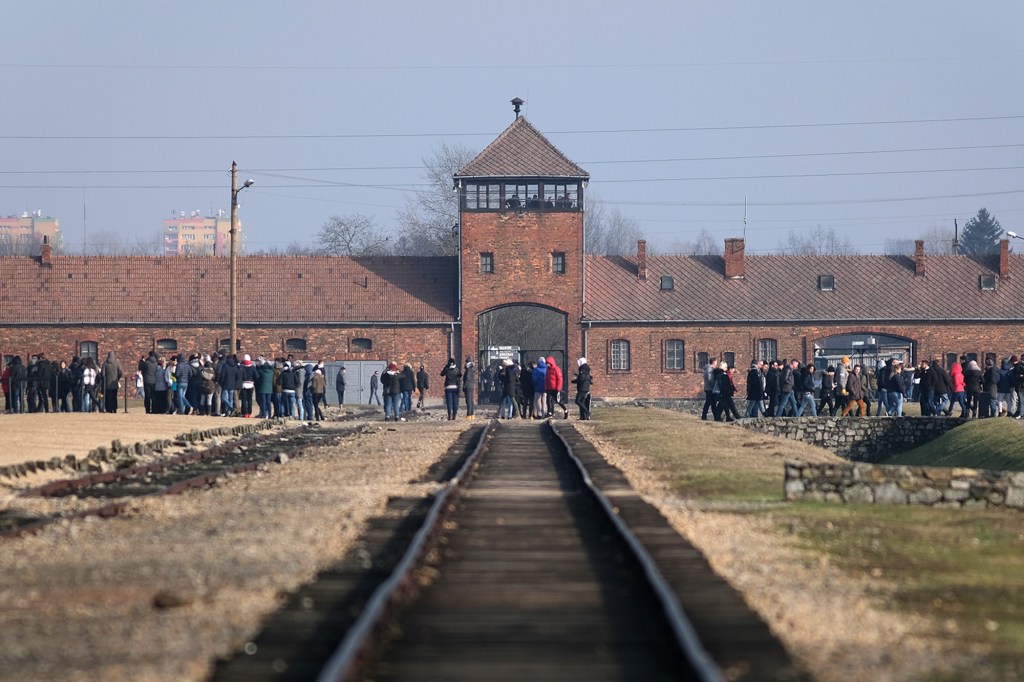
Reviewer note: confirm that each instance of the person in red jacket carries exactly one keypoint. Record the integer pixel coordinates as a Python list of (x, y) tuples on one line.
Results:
[(553, 388), (956, 373)]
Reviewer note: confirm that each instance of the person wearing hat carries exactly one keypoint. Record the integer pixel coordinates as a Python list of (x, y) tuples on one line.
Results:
[(583, 380), (247, 377), (509, 385)]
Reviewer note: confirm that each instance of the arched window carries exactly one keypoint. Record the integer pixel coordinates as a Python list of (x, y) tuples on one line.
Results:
[(619, 355), (167, 344), (360, 345), (675, 352), (295, 344)]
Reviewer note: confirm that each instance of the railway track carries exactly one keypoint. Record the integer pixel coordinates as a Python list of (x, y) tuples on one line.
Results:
[(196, 468), (536, 562)]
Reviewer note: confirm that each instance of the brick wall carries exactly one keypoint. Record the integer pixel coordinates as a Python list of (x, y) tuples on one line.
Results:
[(522, 244), (427, 344), (647, 376)]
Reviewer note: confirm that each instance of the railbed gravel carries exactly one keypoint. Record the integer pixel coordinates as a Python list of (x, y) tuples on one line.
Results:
[(160, 593), (836, 625)]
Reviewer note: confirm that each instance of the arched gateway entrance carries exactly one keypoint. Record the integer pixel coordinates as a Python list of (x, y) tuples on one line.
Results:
[(865, 348), (522, 332)]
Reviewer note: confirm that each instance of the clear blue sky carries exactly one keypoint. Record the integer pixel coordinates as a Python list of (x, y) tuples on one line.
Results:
[(678, 110)]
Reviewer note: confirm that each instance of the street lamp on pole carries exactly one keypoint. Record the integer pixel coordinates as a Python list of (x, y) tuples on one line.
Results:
[(235, 189)]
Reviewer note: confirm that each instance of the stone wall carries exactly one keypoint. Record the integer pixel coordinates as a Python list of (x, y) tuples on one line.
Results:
[(860, 439), (879, 484)]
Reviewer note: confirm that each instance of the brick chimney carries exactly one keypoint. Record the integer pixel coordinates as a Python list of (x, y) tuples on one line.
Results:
[(735, 266), (1004, 258), (46, 252), (641, 260), (919, 258)]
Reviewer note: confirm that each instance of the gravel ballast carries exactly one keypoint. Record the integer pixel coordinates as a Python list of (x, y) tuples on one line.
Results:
[(162, 592)]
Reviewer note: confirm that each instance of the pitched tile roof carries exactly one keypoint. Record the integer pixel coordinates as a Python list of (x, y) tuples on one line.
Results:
[(785, 288), (271, 290), (521, 151)]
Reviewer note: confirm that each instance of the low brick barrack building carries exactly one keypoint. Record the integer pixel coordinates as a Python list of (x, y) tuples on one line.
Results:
[(522, 285)]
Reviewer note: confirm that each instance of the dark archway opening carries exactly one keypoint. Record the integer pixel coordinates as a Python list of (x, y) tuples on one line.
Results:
[(521, 332), (865, 348)]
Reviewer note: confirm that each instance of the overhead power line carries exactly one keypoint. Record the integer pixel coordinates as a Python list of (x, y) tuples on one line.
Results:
[(608, 131)]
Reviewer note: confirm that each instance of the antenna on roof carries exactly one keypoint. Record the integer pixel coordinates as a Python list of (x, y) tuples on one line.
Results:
[(516, 104), (956, 237), (744, 217)]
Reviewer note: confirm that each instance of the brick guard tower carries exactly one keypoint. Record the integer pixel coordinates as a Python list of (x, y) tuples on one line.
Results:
[(521, 249)]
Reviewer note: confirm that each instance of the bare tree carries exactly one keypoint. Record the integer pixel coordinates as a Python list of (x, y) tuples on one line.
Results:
[(608, 231), (351, 235), (105, 243), (428, 223), (820, 241), (938, 239), (705, 244)]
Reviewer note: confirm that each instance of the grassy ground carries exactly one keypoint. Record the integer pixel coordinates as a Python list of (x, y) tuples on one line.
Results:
[(996, 443), (964, 569)]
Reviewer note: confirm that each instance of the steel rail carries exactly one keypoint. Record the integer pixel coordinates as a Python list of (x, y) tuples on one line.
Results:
[(686, 636), (345, 658)]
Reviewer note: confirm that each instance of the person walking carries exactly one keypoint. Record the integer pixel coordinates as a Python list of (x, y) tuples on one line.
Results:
[(755, 389), (374, 388), (111, 375), (787, 387), (319, 389), (339, 385), (855, 393), (90, 374), (973, 386), (451, 376), (469, 387), (897, 388), (709, 380), (553, 388), (422, 385), (207, 387), (583, 379), (17, 379)]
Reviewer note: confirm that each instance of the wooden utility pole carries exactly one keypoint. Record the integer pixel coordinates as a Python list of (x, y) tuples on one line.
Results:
[(233, 335)]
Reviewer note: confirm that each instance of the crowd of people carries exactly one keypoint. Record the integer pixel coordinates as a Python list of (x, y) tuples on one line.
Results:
[(218, 385), (780, 388)]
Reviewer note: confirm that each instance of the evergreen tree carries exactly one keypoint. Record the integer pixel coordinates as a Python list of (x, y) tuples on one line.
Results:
[(981, 235)]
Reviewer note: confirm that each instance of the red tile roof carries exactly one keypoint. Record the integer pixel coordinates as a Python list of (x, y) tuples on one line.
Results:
[(521, 151), (271, 290), (785, 288)]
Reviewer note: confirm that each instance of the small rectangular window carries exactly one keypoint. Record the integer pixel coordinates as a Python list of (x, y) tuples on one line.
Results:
[(487, 263), (674, 355), (767, 350), (826, 282), (558, 262), (990, 357), (667, 283), (620, 355), (702, 360), (987, 282), (951, 359), (295, 344), (730, 358), (361, 344)]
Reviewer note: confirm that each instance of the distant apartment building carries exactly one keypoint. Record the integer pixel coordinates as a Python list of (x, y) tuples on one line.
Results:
[(22, 235), (192, 234)]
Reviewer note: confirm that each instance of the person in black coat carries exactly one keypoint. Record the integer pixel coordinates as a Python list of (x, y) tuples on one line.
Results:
[(408, 383), (583, 380), (771, 386), (990, 390), (756, 385), (525, 394), (422, 386), (452, 378), (339, 385), (19, 375)]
